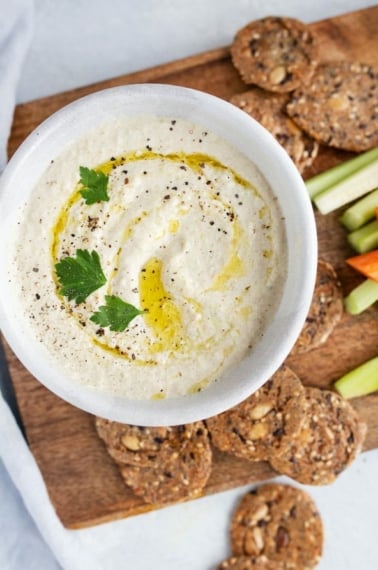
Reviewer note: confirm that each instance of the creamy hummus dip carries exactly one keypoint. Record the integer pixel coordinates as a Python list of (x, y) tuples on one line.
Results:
[(191, 235)]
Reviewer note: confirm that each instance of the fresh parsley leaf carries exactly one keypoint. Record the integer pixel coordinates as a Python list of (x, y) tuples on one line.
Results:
[(116, 314), (80, 276), (95, 185)]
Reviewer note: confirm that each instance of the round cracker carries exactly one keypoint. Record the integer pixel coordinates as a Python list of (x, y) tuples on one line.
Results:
[(339, 106), (279, 522), (275, 53), (138, 445), (330, 438), (325, 311), (262, 423), (269, 110), (180, 473)]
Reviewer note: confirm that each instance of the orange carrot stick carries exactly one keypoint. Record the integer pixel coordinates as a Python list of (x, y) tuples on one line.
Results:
[(366, 263)]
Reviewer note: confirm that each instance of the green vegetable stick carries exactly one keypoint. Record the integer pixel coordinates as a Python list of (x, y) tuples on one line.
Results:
[(349, 189), (360, 381), (366, 238), (361, 212), (334, 175), (362, 297)]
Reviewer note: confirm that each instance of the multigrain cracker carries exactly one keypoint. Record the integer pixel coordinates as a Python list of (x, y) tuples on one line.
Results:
[(339, 106), (325, 310), (329, 439), (275, 53), (265, 421), (138, 445), (279, 522), (269, 110), (180, 473)]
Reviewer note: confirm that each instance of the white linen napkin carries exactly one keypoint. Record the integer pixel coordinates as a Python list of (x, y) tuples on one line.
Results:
[(16, 26), (21, 543)]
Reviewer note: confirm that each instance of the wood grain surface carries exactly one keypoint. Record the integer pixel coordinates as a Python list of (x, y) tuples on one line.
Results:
[(83, 483)]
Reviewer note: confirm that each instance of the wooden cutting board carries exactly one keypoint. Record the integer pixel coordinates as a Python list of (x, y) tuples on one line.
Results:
[(83, 483)]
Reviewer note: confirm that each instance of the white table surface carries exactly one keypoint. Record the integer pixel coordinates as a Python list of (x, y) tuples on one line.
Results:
[(77, 42)]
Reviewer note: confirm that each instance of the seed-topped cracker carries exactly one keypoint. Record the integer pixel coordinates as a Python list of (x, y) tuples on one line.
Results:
[(275, 53), (339, 106), (269, 109), (263, 422), (181, 472), (325, 311), (279, 522), (329, 439), (138, 445)]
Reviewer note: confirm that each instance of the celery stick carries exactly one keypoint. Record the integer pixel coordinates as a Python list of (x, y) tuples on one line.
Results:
[(361, 212), (361, 297), (360, 381), (334, 175), (366, 238), (353, 187)]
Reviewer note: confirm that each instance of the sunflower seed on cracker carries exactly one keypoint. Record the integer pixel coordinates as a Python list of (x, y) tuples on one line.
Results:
[(339, 106), (278, 522), (262, 423), (269, 110), (329, 439), (275, 53)]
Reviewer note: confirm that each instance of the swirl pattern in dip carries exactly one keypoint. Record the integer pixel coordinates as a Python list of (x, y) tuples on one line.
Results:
[(191, 235)]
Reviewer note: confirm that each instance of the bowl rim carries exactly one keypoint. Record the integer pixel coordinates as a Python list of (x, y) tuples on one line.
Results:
[(290, 319)]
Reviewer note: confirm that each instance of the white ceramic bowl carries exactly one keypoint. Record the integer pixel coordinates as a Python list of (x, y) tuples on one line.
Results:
[(52, 136)]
